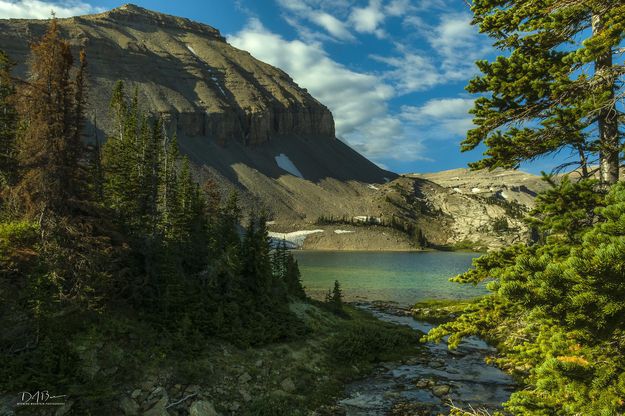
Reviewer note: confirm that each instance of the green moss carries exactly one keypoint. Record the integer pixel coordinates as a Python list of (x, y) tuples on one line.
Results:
[(438, 311)]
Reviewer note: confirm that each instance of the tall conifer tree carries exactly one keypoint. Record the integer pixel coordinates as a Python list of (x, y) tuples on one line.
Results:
[(8, 121), (51, 108), (557, 87)]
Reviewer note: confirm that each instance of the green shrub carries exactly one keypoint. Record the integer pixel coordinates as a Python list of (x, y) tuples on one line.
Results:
[(369, 342), (274, 406), (18, 234), (500, 225)]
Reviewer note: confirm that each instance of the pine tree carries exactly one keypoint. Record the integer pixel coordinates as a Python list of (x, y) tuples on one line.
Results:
[(286, 271), (227, 224), (293, 278), (50, 147), (328, 297), (97, 171), (279, 260), (256, 259), (192, 221), (8, 122), (556, 308), (335, 297), (150, 167), (174, 207), (556, 89), (122, 161)]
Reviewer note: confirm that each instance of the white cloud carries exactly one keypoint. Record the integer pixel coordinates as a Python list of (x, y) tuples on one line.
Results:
[(357, 100), (454, 47), (302, 10), (386, 137), (36, 9), (442, 115), (368, 19), (341, 18), (398, 7), (333, 25), (459, 44), (294, 5), (411, 71)]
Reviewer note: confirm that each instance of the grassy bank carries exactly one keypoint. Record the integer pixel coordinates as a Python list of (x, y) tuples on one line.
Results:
[(437, 311), (126, 367)]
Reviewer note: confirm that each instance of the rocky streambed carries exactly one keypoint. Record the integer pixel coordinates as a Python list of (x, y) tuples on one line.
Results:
[(428, 384)]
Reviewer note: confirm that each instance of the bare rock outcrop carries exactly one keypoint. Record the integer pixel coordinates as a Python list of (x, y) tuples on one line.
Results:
[(184, 70)]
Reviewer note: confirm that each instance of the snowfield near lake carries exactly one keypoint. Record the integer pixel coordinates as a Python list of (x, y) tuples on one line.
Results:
[(296, 237), (285, 163)]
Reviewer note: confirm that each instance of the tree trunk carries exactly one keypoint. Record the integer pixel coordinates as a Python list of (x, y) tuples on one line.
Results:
[(609, 145)]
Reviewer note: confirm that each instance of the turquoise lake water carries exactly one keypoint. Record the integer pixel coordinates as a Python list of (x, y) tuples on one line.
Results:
[(403, 277)]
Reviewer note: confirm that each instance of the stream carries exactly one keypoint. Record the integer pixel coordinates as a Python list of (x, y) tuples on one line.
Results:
[(427, 384)]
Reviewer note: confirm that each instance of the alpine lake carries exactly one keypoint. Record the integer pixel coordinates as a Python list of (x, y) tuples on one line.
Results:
[(425, 385)]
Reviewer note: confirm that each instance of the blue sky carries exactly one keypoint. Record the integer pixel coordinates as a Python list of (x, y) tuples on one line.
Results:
[(392, 71)]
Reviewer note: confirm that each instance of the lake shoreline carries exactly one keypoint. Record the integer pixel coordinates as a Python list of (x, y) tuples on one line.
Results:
[(400, 276)]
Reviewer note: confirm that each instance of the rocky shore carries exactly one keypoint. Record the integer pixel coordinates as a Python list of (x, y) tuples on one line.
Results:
[(430, 383)]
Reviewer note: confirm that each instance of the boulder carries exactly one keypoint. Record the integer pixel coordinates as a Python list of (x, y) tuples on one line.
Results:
[(202, 408), (288, 385), (129, 406), (157, 410), (244, 378)]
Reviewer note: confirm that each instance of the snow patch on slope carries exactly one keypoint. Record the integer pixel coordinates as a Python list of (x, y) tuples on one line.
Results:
[(296, 238), (216, 81), (343, 232), (192, 50), (285, 163)]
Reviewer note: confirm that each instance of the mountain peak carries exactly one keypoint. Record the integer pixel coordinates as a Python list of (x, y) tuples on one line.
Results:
[(133, 8), (185, 71), (133, 15)]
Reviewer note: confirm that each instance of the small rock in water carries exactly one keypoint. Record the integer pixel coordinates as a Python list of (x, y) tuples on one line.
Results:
[(437, 363), (441, 390), (389, 366), (424, 383), (391, 395)]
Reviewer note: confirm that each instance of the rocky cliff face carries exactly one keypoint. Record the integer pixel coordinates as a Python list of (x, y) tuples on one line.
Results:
[(482, 209), (248, 126), (201, 85)]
